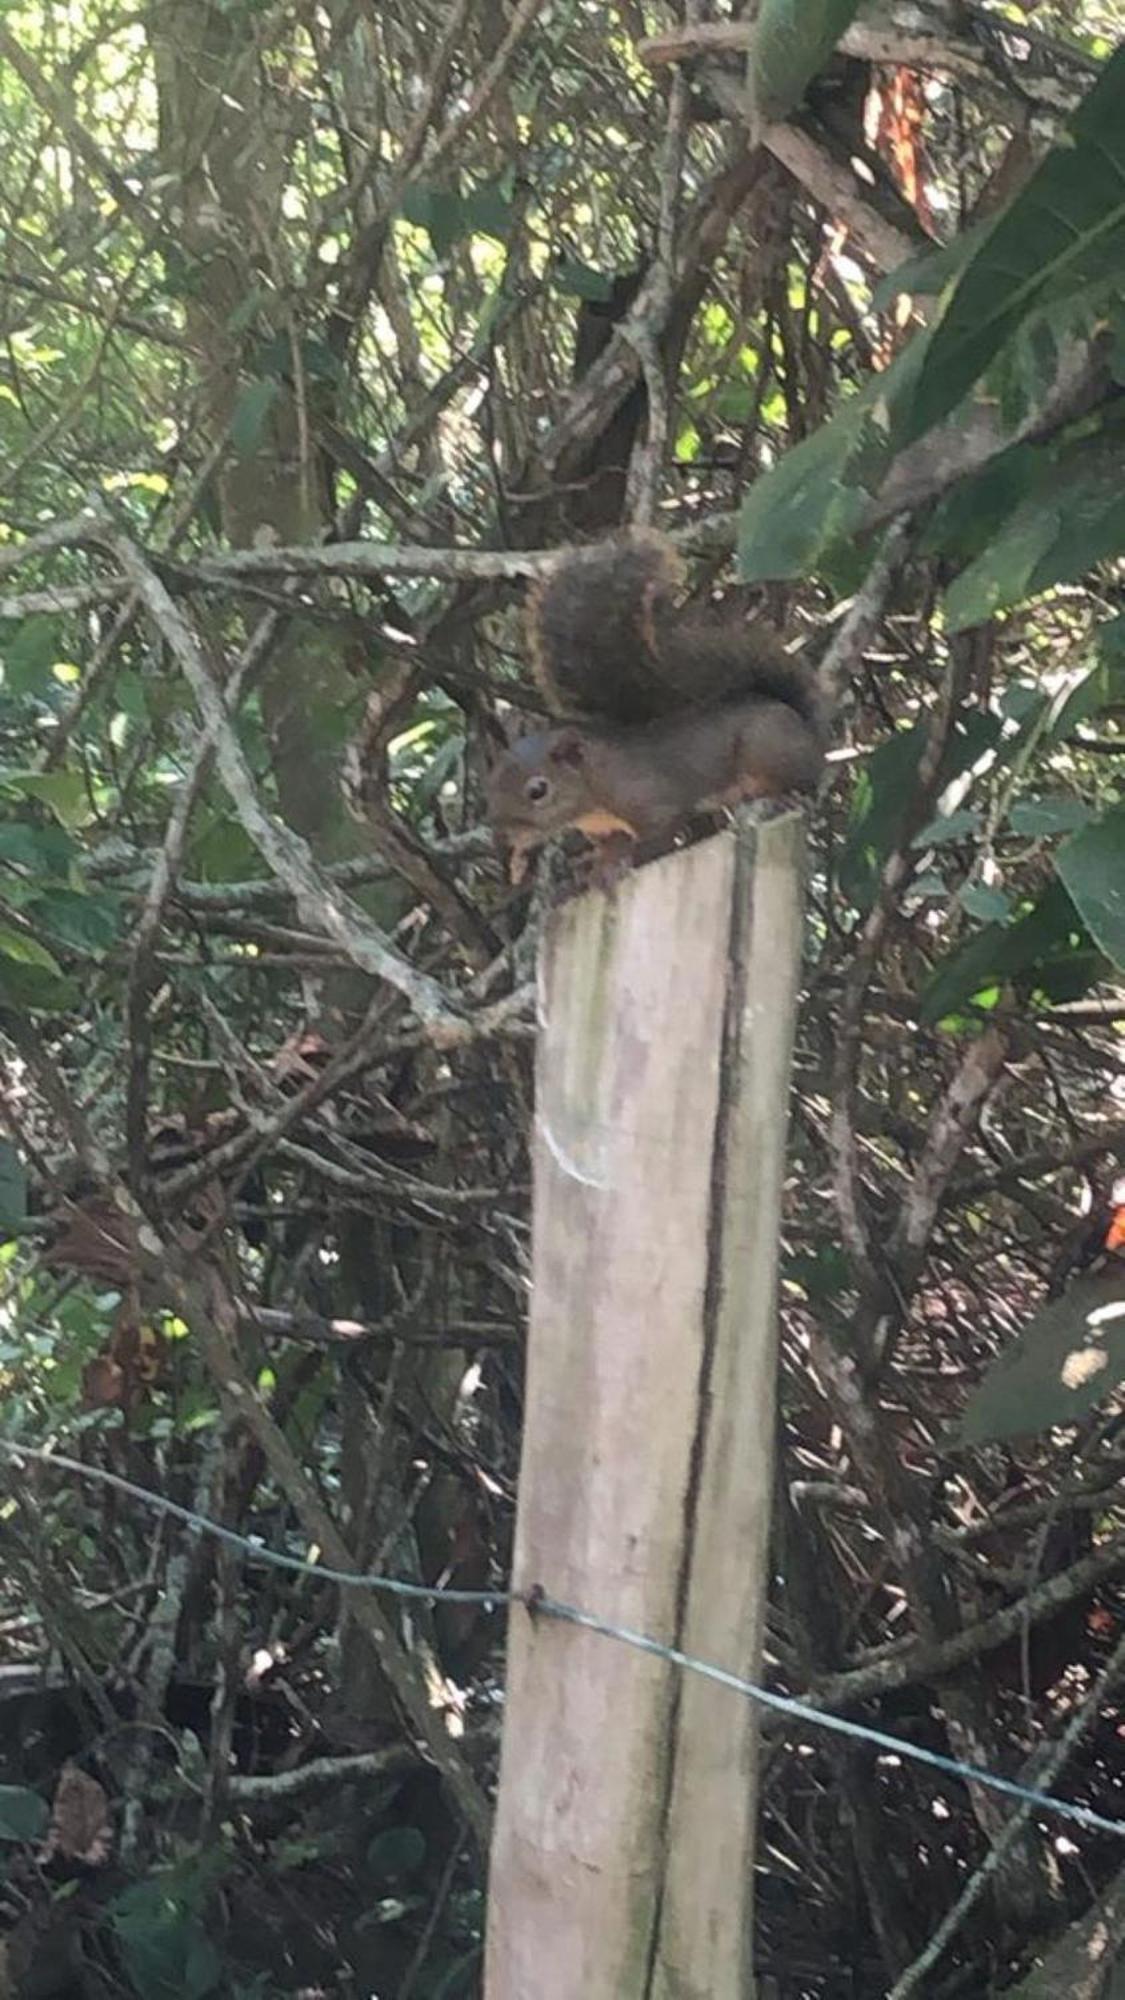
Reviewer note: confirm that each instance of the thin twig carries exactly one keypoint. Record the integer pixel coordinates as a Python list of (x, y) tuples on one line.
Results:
[(1041, 1772)]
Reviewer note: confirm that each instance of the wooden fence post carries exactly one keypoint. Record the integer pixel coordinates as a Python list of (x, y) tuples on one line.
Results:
[(622, 1864)]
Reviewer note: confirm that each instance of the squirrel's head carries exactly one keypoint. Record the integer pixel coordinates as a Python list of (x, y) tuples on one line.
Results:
[(537, 788)]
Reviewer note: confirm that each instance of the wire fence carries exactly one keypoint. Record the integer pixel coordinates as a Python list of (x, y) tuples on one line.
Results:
[(539, 1603)]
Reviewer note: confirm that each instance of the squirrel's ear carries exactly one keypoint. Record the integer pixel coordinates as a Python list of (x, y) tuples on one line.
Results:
[(567, 747)]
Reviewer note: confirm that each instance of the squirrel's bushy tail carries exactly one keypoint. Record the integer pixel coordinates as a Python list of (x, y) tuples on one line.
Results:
[(609, 643), (593, 623)]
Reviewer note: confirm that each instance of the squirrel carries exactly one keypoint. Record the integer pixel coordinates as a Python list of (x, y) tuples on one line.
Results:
[(663, 713)]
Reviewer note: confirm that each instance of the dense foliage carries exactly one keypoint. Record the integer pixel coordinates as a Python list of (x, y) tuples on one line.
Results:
[(316, 321)]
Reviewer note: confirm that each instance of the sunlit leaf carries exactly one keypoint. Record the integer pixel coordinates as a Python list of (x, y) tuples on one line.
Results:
[(25, 950), (1068, 1357), (64, 793), (819, 494), (1064, 231), (1092, 865), (251, 410), (792, 41)]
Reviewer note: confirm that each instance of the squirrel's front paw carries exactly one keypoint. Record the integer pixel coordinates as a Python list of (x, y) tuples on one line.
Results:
[(611, 860)]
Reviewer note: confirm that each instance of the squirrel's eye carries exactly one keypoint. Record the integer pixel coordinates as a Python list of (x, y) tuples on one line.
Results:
[(537, 790)]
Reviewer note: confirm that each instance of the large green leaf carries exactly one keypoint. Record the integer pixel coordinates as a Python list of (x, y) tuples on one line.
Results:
[(44, 851), (13, 1186), (23, 1814), (1067, 1357), (27, 950), (929, 271), (1053, 813), (440, 211), (820, 492), (792, 41), (30, 653), (251, 409), (90, 922), (976, 508), (884, 792), (65, 793), (1092, 865), (35, 988), (1064, 233), (581, 280), (162, 1937), (1047, 946), (1072, 516), (447, 215)]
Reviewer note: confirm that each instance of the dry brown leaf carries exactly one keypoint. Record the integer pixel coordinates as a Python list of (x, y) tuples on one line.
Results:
[(80, 1828)]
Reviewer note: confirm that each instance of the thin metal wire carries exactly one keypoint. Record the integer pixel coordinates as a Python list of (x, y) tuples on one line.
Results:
[(538, 1603)]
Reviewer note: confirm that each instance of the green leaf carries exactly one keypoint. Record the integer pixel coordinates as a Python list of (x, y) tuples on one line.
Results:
[(319, 361), (817, 497), (88, 922), (822, 1273), (397, 1851), (23, 1814), (64, 793), (1049, 815), (246, 312), (1065, 1360), (440, 211), (794, 512), (223, 851), (1020, 702), (1092, 866), (35, 989), (1045, 941), (488, 210), (989, 906), (170, 1960), (569, 275), (1002, 574), (30, 654), (26, 950), (1111, 640), (884, 790), (877, 810), (950, 827), (1072, 517), (160, 1933), (929, 270), (248, 418), (975, 510), (924, 887), (792, 41), (1064, 232), (13, 1186), (733, 403), (45, 851)]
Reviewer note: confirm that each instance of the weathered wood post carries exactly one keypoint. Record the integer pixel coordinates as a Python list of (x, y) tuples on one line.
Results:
[(622, 1862)]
